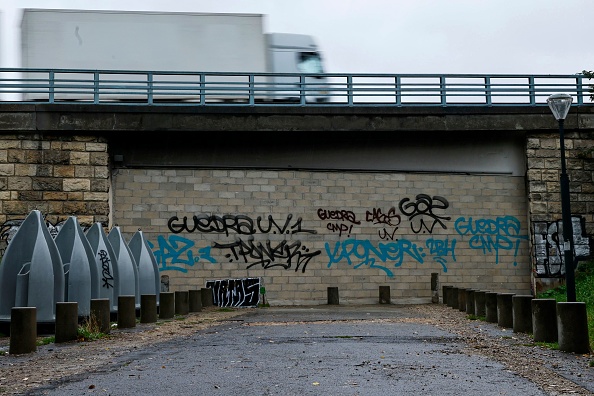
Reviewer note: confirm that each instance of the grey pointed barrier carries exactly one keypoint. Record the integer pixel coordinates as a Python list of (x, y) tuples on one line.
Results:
[(80, 267), (31, 271), (109, 285), (148, 270), (127, 269)]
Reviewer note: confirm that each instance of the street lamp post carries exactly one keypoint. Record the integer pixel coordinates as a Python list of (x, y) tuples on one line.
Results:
[(559, 105)]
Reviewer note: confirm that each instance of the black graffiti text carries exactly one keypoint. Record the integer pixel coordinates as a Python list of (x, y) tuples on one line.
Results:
[(107, 277), (238, 224), (424, 207), (285, 254)]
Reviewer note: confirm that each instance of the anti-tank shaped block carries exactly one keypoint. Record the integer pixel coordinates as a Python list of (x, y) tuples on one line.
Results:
[(31, 272), (80, 267), (127, 268), (109, 285), (148, 270)]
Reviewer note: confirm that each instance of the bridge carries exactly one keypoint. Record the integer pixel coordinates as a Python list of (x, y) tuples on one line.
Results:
[(253, 89), (387, 180)]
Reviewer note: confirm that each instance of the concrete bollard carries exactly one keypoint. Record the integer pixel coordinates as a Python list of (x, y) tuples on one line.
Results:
[(207, 297), (23, 330), (384, 295), (448, 296), (126, 311), (195, 300), (544, 320), (166, 305), (182, 302), (445, 294), (66, 321), (148, 308), (505, 308), (522, 313), (479, 303), (453, 300), (462, 300), (101, 314), (572, 327), (435, 287), (333, 296), (491, 307), (470, 301)]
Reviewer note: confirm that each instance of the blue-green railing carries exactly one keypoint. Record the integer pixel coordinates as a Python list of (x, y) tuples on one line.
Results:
[(253, 89)]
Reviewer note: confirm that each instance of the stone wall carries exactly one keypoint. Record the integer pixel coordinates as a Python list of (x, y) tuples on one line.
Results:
[(59, 174), (544, 167), (544, 195), (302, 232)]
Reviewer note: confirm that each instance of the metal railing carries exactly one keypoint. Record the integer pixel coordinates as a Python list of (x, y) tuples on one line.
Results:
[(282, 89)]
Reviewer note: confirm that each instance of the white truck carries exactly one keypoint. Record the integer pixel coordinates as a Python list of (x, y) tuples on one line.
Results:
[(173, 42)]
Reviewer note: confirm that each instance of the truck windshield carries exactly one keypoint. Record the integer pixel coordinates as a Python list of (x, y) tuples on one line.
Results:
[(310, 62)]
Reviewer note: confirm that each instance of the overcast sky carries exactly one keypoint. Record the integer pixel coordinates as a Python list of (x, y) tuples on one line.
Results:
[(392, 36)]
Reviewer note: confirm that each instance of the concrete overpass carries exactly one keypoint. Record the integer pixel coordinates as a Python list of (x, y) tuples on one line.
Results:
[(365, 195)]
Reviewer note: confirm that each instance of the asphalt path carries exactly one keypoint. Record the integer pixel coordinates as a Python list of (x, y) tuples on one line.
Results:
[(305, 351)]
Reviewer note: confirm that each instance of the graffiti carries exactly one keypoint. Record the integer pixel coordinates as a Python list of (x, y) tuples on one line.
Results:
[(239, 224), (340, 228), (176, 252), (490, 235), (424, 207), (7, 232), (235, 292), (391, 219), (376, 216), (549, 256), (341, 215), (285, 254), (359, 253), (107, 277), (385, 234), (440, 249)]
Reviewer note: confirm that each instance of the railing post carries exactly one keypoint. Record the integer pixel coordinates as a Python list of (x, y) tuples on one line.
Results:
[(442, 90), (398, 92), (252, 99), (488, 97), (202, 89), (302, 100), (51, 86), (531, 91), (579, 88), (149, 80), (96, 87), (350, 90)]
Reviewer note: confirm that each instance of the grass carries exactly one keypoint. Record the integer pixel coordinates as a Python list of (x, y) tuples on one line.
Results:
[(549, 345), (475, 317), (89, 330), (46, 341), (584, 291)]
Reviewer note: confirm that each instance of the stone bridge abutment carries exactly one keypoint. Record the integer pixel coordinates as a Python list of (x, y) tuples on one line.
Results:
[(306, 198)]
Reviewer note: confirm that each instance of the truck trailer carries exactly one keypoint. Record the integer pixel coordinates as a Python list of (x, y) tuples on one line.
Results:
[(176, 42)]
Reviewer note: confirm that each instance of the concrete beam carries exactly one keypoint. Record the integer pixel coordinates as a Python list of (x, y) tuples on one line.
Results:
[(65, 117)]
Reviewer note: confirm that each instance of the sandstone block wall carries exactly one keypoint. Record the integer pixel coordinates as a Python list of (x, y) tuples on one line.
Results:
[(302, 232), (60, 175)]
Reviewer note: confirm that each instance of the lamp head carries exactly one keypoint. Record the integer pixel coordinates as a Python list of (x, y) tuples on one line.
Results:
[(559, 105)]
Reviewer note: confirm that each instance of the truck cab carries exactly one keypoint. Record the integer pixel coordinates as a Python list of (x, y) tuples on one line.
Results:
[(296, 53)]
